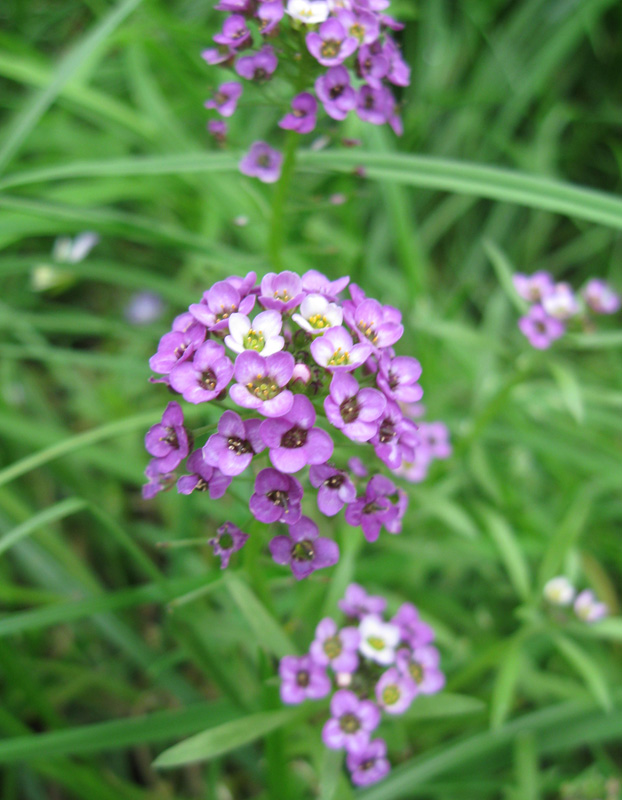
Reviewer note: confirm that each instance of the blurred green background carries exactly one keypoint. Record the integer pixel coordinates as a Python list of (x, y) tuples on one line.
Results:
[(112, 648)]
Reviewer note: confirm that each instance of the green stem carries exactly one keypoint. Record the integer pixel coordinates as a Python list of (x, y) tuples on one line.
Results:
[(277, 228)]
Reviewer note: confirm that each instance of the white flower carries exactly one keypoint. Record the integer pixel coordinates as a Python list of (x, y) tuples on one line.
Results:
[(72, 251), (308, 11), (559, 591), (317, 314), (561, 303), (378, 639), (262, 335)]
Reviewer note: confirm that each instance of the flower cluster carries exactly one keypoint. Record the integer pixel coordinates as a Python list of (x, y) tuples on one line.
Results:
[(294, 368), (555, 307), (371, 666), (341, 51), (560, 591)]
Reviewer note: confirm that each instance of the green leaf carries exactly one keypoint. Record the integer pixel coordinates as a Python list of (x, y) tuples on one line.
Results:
[(586, 667), (509, 550), (64, 508), (267, 630), (444, 705), (610, 628), (505, 683), (224, 738), (570, 390), (505, 273)]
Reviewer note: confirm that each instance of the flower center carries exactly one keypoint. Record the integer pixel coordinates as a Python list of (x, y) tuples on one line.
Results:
[(371, 507), (283, 295), (263, 161), (318, 321), (221, 98), (333, 647), (302, 678), (390, 694), (170, 438), (202, 485), (303, 551), (260, 74), (264, 387), (336, 91), (366, 328), (335, 481), (349, 723), (387, 431), (294, 438), (369, 102), (376, 642), (238, 34), (416, 671), (349, 410), (298, 113), (225, 540), (278, 497), (338, 358), (371, 762), (225, 313), (330, 48), (208, 380), (240, 447), (179, 351), (254, 340), (358, 30)]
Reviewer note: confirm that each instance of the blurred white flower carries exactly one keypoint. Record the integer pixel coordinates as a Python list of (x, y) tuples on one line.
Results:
[(559, 591)]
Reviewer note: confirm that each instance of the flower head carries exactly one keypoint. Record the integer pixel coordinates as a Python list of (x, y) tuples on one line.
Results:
[(203, 477), (258, 67), (354, 411), (263, 334), (357, 603), (302, 678), (311, 12), (317, 314), (219, 303), (335, 489), (420, 667), (336, 351), (395, 691), (303, 116), (587, 607), (263, 162), (378, 639), (281, 291), (540, 328), (235, 444), (413, 629), (205, 376), (369, 765), (335, 92), (228, 540), (533, 288), (331, 45), (226, 98), (351, 722), (600, 297), (276, 497), (335, 647), (559, 591), (304, 549), (292, 439), (261, 382), (168, 440)]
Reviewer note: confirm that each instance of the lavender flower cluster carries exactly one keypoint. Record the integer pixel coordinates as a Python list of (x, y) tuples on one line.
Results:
[(372, 666), (346, 59), (559, 591), (555, 307), (304, 352)]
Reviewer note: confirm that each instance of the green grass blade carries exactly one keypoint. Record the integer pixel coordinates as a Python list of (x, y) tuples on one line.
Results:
[(64, 508)]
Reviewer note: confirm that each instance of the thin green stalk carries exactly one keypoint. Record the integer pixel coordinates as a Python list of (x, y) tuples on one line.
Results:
[(276, 234)]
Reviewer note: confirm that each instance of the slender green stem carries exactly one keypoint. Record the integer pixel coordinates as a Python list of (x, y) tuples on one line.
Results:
[(277, 227)]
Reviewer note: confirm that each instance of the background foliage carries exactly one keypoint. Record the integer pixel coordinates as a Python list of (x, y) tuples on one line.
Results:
[(113, 649)]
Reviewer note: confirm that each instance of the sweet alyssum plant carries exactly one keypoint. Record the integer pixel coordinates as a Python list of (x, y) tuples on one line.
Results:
[(297, 372)]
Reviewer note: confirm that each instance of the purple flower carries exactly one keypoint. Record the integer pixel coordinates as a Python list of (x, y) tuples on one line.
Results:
[(336, 352), (276, 498), (332, 44), (357, 603), (262, 162), (245, 285), (258, 67), (303, 116), (396, 439), (234, 32), (261, 381), (587, 608), (399, 72), (413, 629), (206, 376), (533, 287), (434, 437), (397, 377), (302, 678), (269, 13), (218, 55), (168, 441), (372, 104), (226, 98), (372, 65), (235, 6), (334, 91), (203, 477), (314, 282), (370, 764), (600, 297), (292, 439), (235, 444), (334, 487), (281, 291), (335, 647), (228, 540), (541, 329), (143, 308), (219, 303), (373, 510), (304, 549), (351, 723), (354, 411), (218, 129), (363, 25), (157, 481), (421, 667), (395, 691), (357, 468), (176, 347), (380, 325)]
